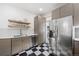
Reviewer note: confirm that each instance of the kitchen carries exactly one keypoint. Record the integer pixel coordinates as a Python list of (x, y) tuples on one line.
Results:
[(25, 26)]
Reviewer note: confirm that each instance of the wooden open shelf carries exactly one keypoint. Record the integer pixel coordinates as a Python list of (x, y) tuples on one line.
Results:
[(19, 22)]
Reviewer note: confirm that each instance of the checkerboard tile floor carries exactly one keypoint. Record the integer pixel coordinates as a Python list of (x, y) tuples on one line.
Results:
[(38, 50)]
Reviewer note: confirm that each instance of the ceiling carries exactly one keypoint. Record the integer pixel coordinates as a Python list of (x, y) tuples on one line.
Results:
[(38, 8)]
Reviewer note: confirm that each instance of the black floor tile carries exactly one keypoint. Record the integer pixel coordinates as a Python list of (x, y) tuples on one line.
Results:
[(23, 54), (34, 49), (41, 50), (32, 54), (52, 54), (15, 54), (41, 55)]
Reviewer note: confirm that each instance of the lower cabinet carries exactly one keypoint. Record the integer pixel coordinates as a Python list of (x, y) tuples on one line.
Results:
[(20, 44), (5, 47), (76, 48), (26, 43), (16, 45), (12, 46)]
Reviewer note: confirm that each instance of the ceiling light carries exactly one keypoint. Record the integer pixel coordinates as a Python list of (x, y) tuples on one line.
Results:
[(41, 9)]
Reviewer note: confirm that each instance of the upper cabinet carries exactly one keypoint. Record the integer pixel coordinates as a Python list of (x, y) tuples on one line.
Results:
[(66, 10), (55, 14), (76, 14)]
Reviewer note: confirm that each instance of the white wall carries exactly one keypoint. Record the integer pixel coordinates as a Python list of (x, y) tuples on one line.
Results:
[(8, 12)]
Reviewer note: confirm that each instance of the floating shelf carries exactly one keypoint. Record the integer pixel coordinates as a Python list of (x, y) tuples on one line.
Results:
[(19, 22)]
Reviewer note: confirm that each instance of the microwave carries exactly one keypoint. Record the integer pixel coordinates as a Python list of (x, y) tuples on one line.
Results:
[(76, 33)]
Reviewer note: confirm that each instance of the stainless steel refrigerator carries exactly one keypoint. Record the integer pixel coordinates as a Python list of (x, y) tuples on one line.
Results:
[(62, 36)]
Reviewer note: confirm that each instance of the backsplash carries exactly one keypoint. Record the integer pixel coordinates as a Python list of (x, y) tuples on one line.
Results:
[(9, 32), (5, 32)]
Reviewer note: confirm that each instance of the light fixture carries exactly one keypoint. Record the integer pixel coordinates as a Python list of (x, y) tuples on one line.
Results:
[(40, 9)]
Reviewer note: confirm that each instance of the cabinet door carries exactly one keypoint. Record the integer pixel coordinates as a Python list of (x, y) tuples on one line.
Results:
[(76, 14), (36, 25), (5, 47), (76, 48), (40, 25), (26, 43), (66, 10), (55, 14), (16, 45), (42, 31), (36, 28)]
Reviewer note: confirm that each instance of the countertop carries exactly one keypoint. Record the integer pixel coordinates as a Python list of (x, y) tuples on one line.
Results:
[(17, 36)]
